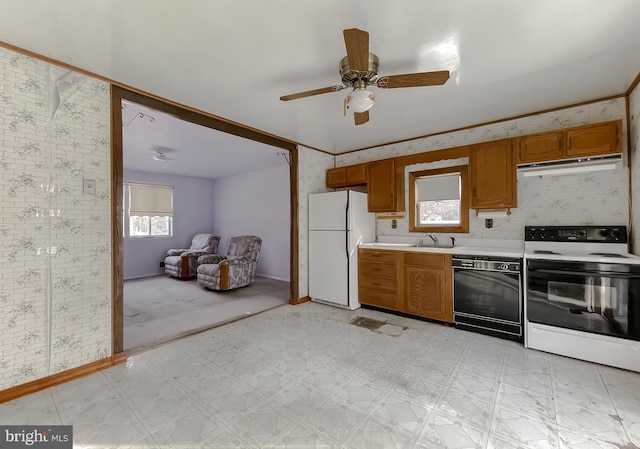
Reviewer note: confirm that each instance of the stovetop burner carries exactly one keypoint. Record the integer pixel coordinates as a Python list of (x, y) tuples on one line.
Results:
[(608, 255), (544, 251)]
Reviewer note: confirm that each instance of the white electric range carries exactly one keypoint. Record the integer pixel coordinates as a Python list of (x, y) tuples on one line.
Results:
[(582, 294)]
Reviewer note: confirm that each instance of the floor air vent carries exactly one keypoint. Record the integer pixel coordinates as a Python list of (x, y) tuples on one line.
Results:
[(367, 323), (380, 327)]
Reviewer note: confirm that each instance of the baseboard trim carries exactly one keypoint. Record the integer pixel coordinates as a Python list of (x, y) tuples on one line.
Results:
[(295, 302), (273, 277), (55, 379), (120, 357), (142, 276)]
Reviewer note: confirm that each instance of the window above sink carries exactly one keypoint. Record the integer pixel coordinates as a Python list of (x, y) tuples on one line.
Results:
[(438, 200)]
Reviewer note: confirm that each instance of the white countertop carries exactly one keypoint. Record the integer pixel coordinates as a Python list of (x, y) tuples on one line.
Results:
[(495, 251)]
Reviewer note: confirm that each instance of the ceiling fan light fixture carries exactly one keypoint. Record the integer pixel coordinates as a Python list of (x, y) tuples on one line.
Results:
[(360, 100)]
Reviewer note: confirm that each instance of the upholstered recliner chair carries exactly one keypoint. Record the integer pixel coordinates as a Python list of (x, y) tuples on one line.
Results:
[(182, 263), (236, 269)]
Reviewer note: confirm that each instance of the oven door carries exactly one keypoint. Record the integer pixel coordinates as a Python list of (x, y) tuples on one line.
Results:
[(592, 297)]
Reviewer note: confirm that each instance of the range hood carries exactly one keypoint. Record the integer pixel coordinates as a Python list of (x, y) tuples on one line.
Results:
[(571, 166)]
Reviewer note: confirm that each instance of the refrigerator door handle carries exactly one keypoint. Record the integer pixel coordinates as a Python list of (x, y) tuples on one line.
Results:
[(346, 226)]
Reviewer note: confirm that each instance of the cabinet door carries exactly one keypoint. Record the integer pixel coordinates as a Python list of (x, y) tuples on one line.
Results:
[(540, 147), (381, 186), (493, 175), (428, 293), (336, 177), (356, 174), (349, 176), (593, 140)]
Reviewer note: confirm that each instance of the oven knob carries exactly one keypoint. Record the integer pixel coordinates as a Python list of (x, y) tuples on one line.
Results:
[(504, 266), (615, 234)]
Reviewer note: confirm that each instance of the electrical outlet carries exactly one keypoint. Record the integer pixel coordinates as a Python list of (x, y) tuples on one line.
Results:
[(161, 264), (89, 186), (488, 223)]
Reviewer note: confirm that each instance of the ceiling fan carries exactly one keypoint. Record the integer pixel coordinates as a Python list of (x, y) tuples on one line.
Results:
[(359, 69)]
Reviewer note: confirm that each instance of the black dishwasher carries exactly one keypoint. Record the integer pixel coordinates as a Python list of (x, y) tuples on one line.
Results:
[(487, 295)]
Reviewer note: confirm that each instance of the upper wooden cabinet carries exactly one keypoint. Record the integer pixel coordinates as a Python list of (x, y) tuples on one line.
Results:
[(540, 147), (582, 141), (594, 140), (492, 171), (381, 186), (349, 176)]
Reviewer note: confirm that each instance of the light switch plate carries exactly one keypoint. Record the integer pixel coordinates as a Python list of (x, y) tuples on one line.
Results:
[(89, 186)]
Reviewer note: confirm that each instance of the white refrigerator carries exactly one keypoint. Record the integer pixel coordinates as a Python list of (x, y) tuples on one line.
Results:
[(338, 223)]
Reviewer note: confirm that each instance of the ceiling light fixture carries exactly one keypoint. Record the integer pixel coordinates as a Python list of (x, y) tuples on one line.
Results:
[(159, 156), (360, 99)]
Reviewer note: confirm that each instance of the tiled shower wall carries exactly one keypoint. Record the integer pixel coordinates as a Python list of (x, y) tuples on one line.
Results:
[(580, 199), (55, 277)]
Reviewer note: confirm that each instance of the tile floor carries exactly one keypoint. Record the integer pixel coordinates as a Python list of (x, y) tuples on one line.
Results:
[(303, 377)]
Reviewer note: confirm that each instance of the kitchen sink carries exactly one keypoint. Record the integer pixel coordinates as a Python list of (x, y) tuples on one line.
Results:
[(405, 245), (435, 245)]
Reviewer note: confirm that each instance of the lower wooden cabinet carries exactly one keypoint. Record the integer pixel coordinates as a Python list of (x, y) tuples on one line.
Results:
[(427, 286), (405, 281), (377, 278)]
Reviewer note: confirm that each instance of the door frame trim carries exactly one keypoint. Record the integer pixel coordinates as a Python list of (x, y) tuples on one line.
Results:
[(197, 117)]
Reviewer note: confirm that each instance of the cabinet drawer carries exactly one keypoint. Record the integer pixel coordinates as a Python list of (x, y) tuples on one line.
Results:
[(374, 269), (425, 260), (377, 256), (377, 283), (378, 298)]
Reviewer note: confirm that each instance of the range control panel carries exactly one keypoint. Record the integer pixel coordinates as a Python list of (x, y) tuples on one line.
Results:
[(600, 234)]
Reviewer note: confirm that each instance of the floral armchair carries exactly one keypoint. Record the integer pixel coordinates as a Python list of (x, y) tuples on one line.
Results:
[(236, 269), (182, 263)]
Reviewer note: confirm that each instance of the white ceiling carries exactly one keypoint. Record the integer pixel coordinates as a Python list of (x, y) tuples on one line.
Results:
[(190, 150), (235, 59)]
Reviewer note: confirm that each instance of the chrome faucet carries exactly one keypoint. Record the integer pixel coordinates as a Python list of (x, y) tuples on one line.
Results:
[(433, 237)]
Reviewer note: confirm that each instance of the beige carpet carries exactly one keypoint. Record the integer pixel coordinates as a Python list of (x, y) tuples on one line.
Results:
[(161, 308)]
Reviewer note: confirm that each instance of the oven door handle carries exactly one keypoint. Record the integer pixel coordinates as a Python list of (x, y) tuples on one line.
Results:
[(582, 272)]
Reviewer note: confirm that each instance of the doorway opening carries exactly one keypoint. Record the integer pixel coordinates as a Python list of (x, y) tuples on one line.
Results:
[(142, 108)]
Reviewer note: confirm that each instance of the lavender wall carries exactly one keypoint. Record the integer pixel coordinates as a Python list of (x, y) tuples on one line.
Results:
[(256, 203), (192, 214)]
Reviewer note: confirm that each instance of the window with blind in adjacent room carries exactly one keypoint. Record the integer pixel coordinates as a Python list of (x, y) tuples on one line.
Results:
[(150, 210)]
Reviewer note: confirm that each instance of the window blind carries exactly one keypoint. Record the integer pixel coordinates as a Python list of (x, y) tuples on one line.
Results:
[(150, 200), (439, 187)]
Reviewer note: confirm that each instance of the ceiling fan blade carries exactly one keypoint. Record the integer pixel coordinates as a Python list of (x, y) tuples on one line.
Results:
[(357, 43), (414, 79), (361, 117), (310, 93)]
